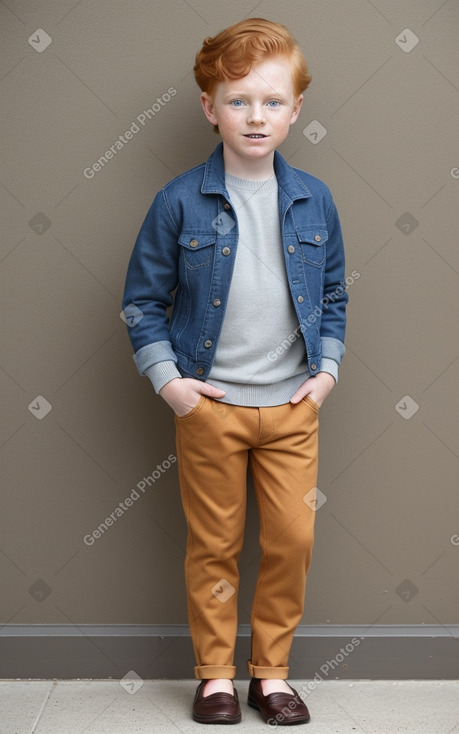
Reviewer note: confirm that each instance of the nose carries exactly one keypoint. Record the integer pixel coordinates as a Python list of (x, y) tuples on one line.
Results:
[(256, 116)]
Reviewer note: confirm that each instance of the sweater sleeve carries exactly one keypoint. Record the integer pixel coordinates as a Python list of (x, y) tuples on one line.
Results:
[(161, 373)]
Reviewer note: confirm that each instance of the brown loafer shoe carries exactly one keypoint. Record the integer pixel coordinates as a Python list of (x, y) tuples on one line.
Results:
[(282, 709), (218, 708)]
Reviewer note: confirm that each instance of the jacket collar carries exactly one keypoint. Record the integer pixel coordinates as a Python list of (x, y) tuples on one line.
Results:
[(287, 178)]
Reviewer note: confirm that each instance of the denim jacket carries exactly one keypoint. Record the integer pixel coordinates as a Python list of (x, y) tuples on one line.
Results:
[(188, 244)]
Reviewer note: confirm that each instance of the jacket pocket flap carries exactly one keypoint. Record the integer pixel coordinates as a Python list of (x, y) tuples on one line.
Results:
[(195, 242), (314, 236)]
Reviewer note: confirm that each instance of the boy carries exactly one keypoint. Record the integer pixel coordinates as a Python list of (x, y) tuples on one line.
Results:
[(253, 248)]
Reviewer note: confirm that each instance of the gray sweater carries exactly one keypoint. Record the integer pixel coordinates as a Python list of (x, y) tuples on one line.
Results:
[(260, 358)]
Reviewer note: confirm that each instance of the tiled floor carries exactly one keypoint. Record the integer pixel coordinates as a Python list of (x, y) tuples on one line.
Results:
[(163, 707)]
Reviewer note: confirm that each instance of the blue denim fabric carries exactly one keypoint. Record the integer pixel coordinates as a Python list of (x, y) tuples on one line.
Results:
[(187, 245)]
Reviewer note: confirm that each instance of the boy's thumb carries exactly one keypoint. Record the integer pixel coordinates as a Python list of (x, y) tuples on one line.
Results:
[(212, 391)]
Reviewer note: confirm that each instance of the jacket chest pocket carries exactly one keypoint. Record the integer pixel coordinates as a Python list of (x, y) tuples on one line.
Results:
[(197, 250), (312, 243)]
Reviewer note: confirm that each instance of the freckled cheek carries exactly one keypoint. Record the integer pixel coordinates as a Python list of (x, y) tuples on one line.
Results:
[(231, 122), (282, 122)]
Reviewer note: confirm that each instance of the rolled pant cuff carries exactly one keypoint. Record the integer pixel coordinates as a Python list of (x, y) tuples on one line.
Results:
[(261, 671), (207, 672)]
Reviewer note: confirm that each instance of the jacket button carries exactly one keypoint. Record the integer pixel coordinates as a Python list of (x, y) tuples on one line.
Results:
[(208, 343), (200, 371), (216, 302), (317, 238), (313, 366), (226, 206), (300, 299), (194, 243), (290, 249), (226, 251)]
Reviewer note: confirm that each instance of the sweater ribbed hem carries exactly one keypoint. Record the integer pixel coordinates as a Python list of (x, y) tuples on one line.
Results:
[(260, 396)]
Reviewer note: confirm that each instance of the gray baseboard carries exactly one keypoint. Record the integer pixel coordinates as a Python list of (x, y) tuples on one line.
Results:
[(323, 652)]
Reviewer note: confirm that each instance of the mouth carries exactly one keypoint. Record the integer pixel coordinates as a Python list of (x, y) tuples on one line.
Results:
[(255, 136)]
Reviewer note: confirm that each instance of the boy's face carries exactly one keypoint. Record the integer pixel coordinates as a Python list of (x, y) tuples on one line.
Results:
[(254, 113)]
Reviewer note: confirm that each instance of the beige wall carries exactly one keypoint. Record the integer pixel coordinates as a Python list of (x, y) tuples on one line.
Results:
[(391, 481)]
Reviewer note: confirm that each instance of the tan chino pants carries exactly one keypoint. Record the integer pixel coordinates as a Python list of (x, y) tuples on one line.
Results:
[(215, 443)]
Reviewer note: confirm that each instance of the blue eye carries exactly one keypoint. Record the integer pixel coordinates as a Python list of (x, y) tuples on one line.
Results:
[(273, 103), (237, 102)]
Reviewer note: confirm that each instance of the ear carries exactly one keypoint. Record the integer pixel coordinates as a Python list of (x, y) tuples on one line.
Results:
[(296, 109), (208, 107)]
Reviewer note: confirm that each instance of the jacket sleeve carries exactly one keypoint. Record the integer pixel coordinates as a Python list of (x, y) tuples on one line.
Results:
[(335, 296), (150, 281)]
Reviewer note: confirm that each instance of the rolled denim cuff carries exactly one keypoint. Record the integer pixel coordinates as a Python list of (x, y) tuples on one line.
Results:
[(152, 353), (332, 348)]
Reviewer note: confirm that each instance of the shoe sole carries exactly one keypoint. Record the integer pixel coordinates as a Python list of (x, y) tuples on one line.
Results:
[(253, 704), (217, 719)]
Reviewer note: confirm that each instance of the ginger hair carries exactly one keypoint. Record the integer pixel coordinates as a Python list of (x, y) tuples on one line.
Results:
[(232, 53)]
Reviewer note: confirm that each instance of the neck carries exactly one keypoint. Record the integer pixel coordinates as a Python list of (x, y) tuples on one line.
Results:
[(254, 170)]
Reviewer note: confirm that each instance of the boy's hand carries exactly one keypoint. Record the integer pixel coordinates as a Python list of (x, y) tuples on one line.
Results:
[(316, 387), (183, 393)]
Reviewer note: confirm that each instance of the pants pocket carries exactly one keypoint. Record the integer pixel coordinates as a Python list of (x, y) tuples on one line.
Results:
[(193, 410), (311, 402)]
